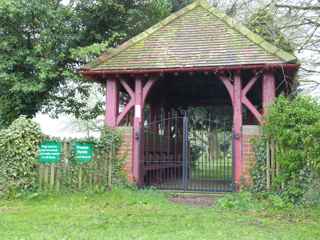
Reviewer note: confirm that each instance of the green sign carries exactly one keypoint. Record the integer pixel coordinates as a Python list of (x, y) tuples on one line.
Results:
[(50, 152), (83, 152)]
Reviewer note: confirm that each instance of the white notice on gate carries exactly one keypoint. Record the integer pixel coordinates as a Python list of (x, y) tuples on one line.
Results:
[(137, 111)]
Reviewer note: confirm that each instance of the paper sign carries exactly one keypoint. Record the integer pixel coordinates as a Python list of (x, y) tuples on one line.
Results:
[(137, 111)]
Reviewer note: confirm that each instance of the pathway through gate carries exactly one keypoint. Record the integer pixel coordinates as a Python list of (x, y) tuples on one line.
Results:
[(181, 154)]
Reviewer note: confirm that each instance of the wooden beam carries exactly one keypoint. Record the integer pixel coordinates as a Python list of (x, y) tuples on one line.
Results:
[(147, 88), (138, 132), (249, 85), (127, 88), (129, 105), (247, 102), (227, 83), (125, 111), (252, 109), (112, 103), (237, 129), (268, 90)]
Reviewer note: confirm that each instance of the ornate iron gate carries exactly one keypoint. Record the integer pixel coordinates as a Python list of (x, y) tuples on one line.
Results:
[(180, 154)]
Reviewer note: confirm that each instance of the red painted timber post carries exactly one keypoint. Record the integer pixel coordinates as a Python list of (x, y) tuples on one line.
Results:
[(268, 90), (237, 129), (138, 134), (112, 102)]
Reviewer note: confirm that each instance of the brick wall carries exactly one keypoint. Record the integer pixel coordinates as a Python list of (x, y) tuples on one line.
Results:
[(248, 133), (125, 151)]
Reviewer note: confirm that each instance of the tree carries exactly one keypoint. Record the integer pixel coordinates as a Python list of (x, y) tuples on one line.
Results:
[(263, 23), (35, 40), (38, 38)]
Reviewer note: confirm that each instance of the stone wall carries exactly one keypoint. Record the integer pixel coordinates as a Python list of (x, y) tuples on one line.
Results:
[(249, 132)]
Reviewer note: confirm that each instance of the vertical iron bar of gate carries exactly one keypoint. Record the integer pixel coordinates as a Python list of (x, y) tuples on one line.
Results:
[(185, 154)]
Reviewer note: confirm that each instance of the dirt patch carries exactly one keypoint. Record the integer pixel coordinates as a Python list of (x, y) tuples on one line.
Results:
[(196, 201)]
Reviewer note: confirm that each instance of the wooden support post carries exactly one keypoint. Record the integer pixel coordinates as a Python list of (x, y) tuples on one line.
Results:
[(237, 129), (268, 90), (112, 103), (137, 130)]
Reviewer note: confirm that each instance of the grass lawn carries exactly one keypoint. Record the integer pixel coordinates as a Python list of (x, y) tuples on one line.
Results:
[(126, 214)]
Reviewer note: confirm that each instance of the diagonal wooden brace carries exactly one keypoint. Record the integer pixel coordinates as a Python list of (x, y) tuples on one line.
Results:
[(146, 89), (244, 99), (129, 105), (247, 102)]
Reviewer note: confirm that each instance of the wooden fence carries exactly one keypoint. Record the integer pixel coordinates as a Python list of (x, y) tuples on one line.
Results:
[(70, 175), (272, 167)]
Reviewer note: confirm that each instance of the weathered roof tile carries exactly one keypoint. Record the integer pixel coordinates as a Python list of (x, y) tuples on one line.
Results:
[(196, 36)]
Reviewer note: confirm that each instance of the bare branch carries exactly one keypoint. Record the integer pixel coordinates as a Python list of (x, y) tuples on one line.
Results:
[(295, 7), (309, 70)]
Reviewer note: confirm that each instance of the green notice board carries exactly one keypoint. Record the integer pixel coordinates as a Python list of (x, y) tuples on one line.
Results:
[(83, 152), (50, 152)]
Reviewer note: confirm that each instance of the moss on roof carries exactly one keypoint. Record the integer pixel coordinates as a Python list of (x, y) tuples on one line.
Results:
[(196, 36)]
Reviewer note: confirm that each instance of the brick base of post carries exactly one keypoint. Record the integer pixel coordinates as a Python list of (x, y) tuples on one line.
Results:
[(249, 132), (125, 151)]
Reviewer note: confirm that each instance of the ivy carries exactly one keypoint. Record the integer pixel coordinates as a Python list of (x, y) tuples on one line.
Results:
[(294, 125), (19, 158), (258, 172), (18, 155)]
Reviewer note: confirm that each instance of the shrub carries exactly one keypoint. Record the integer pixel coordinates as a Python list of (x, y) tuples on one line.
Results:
[(294, 126), (18, 155)]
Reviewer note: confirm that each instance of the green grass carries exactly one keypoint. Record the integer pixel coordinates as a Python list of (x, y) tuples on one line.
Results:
[(127, 214)]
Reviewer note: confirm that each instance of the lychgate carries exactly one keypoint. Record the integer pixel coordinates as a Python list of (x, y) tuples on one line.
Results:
[(193, 88)]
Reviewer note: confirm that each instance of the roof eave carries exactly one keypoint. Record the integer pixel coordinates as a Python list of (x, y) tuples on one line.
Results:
[(105, 72)]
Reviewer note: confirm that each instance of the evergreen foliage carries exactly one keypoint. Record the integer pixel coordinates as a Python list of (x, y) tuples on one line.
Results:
[(18, 155), (294, 126)]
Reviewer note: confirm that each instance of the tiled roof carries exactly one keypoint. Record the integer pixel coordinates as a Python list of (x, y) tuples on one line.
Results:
[(196, 36)]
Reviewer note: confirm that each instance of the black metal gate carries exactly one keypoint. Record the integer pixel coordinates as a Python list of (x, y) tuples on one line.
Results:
[(181, 154)]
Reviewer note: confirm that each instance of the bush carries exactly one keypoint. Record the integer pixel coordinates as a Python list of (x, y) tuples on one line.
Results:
[(18, 155), (294, 126), (312, 195)]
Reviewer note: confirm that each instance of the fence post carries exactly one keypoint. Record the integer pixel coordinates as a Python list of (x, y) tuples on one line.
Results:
[(40, 176), (110, 160), (268, 165), (80, 177), (52, 171)]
